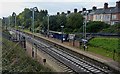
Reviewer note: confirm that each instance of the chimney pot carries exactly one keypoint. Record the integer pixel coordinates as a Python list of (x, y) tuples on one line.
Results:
[(68, 12), (62, 13), (84, 9), (58, 13), (75, 10), (94, 8), (80, 12), (105, 5), (118, 4)]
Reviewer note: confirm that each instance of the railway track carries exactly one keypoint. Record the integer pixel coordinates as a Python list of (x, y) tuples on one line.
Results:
[(78, 65), (73, 62), (59, 64)]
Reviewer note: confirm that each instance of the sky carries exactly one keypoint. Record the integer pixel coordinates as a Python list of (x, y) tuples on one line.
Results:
[(7, 7)]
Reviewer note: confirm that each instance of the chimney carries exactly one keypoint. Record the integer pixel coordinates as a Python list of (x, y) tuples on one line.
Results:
[(94, 8), (80, 12), (89, 11), (62, 13), (84, 9), (118, 4), (68, 12), (58, 13), (105, 5), (75, 10)]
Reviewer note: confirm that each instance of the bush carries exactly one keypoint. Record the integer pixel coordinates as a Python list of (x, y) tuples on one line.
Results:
[(112, 29), (96, 26)]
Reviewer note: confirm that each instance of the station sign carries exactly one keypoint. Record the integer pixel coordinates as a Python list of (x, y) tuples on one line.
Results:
[(71, 36)]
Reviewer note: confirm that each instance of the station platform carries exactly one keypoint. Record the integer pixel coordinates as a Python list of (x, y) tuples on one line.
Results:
[(107, 61)]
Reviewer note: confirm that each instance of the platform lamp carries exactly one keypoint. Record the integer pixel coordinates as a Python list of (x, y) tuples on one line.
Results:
[(33, 10), (14, 14), (62, 33), (48, 26)]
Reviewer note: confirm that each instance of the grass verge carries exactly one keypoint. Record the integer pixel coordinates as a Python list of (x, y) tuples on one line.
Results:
[(105, 47)]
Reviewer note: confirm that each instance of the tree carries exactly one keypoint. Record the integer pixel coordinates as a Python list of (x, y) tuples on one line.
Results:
[(24, 18), (112, 29), (61, 20), (74, 21), (53, 23), (96, 26)]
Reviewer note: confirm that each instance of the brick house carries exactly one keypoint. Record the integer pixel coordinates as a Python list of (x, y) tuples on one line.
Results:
[(110, 15)]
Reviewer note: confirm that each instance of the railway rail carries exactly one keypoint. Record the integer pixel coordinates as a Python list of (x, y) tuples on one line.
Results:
[(73, 62)]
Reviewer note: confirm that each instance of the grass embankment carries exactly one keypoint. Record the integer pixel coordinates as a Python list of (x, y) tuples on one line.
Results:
[(105, 47), (15, 59)]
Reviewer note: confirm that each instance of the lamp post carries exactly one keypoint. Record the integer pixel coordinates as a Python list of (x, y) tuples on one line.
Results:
[(84, 29), (62, 33), (14, 14), (84, 26), (9, 22), (85, 23), (48, 26), (33, 10), (22, 25)]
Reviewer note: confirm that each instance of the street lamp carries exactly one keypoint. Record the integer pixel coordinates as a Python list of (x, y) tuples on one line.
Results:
[(48, 26), (14, 14), (22, 28), (84, 29), (84, 25), (9, 22), (33, 10), (62, 33)]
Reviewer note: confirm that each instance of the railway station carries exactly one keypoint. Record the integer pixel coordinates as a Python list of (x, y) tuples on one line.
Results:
[(78, 41)]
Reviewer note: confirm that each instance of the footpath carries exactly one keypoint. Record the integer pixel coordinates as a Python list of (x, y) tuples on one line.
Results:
[(110, 62)]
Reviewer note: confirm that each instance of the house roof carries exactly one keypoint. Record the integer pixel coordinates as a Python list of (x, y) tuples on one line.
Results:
[(107, 11)]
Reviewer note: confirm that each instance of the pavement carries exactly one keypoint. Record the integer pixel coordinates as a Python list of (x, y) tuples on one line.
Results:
[(105, 60)]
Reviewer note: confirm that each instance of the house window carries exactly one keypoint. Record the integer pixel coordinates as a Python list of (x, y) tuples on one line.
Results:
[(98, 17), (113, 17), (106, 17)]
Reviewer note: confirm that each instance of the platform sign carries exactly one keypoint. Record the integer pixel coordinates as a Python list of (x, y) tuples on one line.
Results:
[(71, 36)]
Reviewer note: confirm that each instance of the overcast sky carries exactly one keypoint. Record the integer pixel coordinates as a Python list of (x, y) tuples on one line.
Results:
[(7, 7)]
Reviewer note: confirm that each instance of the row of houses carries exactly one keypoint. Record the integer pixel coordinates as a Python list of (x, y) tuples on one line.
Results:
[(109, 15)]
